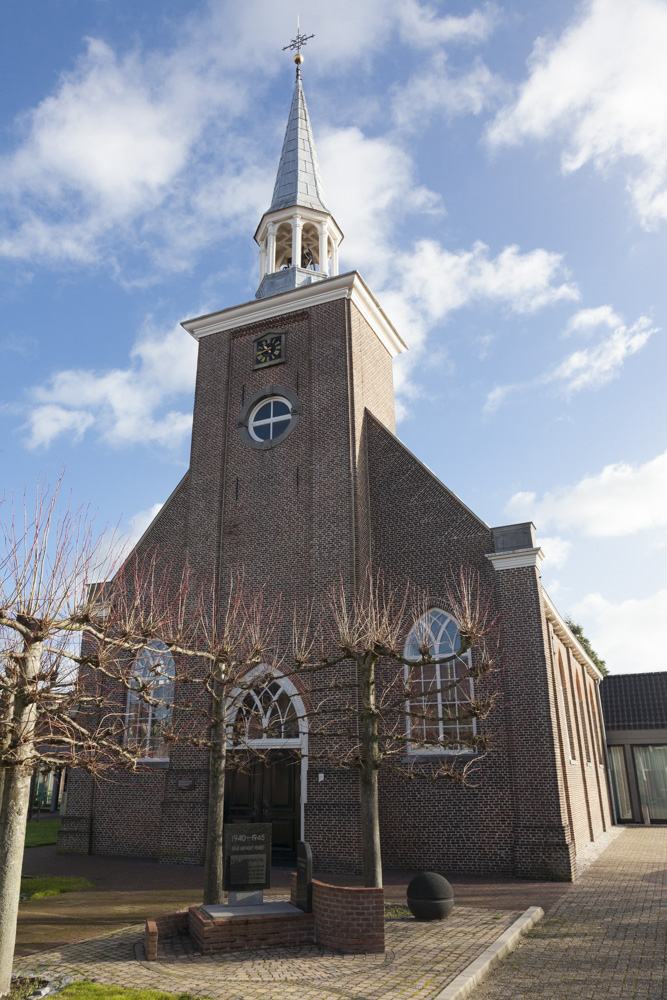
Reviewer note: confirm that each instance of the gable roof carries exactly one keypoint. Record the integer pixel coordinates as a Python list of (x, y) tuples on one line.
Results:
[(635, 701)]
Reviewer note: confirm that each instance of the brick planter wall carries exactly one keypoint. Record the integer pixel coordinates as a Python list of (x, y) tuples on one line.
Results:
[(238, 933), (343, 918), (349, 919), (167, 925)]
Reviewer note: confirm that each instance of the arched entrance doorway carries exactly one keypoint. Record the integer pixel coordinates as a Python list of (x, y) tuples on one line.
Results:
[(271, 717)]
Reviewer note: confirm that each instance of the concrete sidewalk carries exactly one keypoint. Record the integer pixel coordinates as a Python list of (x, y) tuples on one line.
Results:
[(606, 938)]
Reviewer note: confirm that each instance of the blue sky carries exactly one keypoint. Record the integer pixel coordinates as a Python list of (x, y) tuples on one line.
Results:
[(500, 173)]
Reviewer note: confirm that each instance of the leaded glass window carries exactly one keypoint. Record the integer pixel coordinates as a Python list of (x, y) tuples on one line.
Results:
[(439, 693), (147, 722), (266, 713)]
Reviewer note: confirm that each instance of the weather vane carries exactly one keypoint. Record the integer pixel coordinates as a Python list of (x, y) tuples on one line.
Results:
[(297, 44)]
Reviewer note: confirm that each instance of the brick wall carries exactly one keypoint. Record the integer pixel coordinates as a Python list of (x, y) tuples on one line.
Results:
[(349, 919), (239, 933), (341, 489), (165, 926)]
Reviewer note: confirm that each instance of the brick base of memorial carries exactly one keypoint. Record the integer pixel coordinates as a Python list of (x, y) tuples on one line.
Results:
[(344, 919)]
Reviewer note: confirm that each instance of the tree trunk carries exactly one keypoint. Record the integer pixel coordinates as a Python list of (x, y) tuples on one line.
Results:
[(15, 802), (213, 867), (7, 712), (368, 778)]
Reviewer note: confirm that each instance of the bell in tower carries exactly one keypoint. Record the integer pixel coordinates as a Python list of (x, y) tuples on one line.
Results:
[(298, 237)]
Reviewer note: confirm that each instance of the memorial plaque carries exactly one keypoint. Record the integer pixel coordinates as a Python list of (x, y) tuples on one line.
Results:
[(304, 877), (247, 857)]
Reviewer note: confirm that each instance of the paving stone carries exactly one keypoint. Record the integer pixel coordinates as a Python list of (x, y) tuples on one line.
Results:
[(421, 958), (605, 938)]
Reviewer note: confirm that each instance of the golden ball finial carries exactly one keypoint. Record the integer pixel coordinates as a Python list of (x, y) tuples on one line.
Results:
[(298, 58)]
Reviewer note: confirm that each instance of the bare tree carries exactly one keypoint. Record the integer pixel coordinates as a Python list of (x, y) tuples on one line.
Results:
[(235, 634), (396, 697), (63, 701)]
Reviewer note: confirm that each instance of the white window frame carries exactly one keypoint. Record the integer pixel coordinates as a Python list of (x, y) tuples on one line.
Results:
[(252, 423), (425, 750), (133, 704)]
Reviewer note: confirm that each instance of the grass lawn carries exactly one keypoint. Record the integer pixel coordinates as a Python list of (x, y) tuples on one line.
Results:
[(52, 885), (95, 991), (38, 833)]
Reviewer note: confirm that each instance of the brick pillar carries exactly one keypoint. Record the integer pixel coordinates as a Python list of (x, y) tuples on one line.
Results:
[(543, 845)]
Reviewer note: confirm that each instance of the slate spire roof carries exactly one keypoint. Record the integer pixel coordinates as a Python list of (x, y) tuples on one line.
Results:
[(298, 181)]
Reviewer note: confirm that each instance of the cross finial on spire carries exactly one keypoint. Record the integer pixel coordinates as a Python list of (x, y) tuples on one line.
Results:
[(297, 44)]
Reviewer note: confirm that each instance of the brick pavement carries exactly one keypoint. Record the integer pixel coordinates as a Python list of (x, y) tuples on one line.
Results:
[(604, 939), (129, 890), (420, 960)]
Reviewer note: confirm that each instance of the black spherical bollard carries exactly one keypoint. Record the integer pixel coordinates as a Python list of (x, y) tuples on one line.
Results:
[(430, 897)]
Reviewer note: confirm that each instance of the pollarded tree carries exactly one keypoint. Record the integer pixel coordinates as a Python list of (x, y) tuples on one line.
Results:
[(61, 705), (402, 678)]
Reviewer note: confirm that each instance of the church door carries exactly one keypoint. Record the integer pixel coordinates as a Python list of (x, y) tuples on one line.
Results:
[(268, 792)]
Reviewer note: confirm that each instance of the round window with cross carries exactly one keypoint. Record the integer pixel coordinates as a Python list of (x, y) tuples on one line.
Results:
[(270, 418)]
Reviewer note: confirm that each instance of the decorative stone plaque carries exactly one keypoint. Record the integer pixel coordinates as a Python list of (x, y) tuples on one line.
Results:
[(247, 857), (304, 877)]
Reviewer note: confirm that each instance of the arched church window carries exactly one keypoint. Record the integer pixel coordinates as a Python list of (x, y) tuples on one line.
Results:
[(270, 418), (147, 720), (439, 693), (266, 713)]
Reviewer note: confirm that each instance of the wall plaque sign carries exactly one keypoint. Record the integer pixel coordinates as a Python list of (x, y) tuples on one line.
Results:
[(304, 877), (247, 860)]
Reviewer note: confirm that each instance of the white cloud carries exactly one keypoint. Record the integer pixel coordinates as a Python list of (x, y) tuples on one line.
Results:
[(49, 421), (140, 521), (151, 151), (630, 635), (556, 550), (600, 87), (421, 28), (590, 367), (123, 406), (587, 320), (595, 366), (435, 281), (372, 184), (620, 500), (437, 91)]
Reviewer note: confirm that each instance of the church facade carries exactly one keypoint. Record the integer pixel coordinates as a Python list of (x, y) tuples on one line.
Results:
[(297, 475)]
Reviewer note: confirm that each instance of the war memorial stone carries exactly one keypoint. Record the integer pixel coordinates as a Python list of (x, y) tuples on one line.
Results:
[(304, 877), (247, 860)]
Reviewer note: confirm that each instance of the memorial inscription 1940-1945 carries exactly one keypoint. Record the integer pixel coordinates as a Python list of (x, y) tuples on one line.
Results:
[(247, 857)]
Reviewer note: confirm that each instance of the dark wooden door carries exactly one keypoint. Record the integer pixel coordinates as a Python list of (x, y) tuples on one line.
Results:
[(268, 792)]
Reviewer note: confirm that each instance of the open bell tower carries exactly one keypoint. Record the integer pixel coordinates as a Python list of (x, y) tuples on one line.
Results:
[(298, 237)]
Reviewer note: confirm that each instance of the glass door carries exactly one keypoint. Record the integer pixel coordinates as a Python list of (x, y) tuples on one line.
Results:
[(619, 785), (651, 766)]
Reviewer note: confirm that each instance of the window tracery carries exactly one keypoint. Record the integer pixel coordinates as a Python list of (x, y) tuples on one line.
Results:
[(440, 693)]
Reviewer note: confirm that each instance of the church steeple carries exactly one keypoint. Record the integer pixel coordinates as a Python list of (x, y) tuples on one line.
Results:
[(298, 237)]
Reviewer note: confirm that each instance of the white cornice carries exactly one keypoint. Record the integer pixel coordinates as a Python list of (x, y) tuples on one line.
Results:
[(516, 558), (562, 630), (350, 286)]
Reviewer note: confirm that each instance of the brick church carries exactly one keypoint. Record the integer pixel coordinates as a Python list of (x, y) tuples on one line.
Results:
[(296, 473)]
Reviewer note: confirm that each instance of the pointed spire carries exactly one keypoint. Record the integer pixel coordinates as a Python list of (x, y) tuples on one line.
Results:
[(298, 238), (298, 181)]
